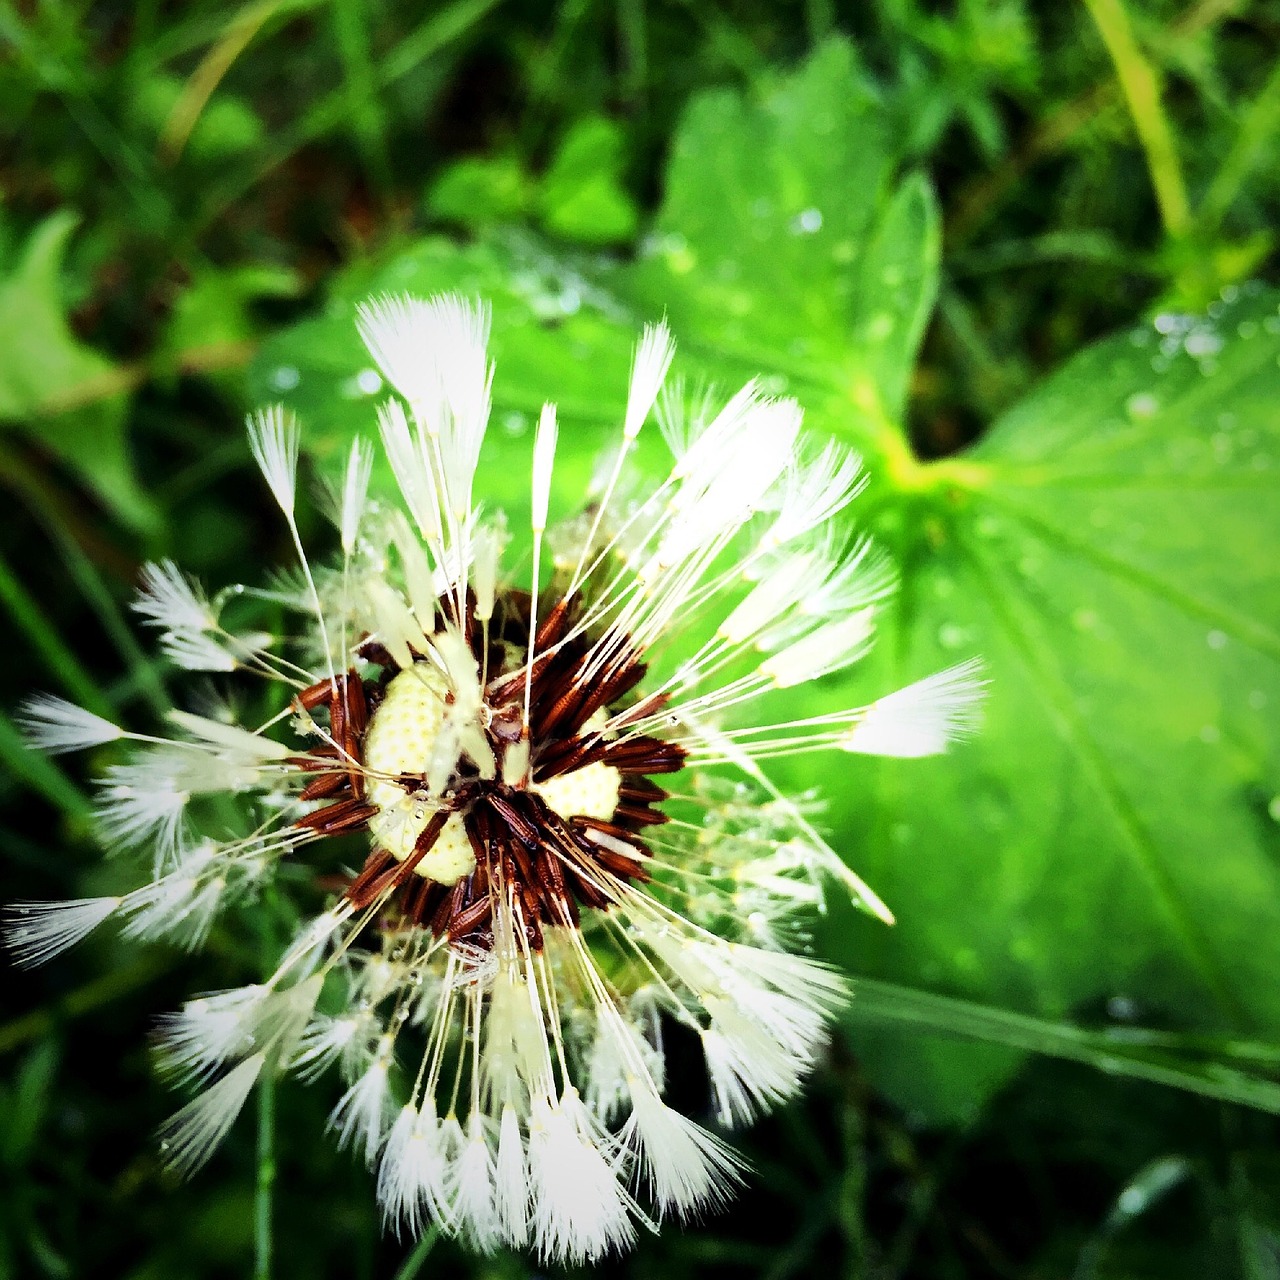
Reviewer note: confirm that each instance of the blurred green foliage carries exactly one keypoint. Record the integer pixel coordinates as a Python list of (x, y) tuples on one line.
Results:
[(1016, 254)]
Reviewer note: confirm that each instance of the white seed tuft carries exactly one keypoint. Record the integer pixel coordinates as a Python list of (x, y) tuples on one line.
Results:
[(54, 725), (273, 438), (169, 598), (687, 1168), (37, 931), (190, 1137), (544, 456), (648, 370), (923, 718), (355, 493)]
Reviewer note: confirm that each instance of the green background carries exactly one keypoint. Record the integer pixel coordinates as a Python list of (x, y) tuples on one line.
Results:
[(1017, 255)]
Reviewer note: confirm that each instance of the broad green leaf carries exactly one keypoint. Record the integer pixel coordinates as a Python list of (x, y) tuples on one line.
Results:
[(1107, 548), (44, 366)]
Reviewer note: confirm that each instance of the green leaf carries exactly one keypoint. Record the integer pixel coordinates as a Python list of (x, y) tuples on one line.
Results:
[(213, 319), (44, 366), (582, 197), (1108, 549), (29, 1104), (478, 191), (897, 287)]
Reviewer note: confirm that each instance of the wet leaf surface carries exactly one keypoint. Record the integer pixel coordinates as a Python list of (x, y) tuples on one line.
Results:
[(1107, 549)]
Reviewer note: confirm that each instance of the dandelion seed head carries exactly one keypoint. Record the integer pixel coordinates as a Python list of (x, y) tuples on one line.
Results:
[(551, 864)]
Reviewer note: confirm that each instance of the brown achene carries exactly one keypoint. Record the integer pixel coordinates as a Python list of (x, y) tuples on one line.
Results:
[(556, 863)]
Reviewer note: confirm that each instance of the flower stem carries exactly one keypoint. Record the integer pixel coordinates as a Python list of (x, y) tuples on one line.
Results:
[(262, 1237), (413, 1263)]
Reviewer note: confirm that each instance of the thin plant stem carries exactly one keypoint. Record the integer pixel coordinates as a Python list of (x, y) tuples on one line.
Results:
[(1254, 143), (264, 1188), (421, 1251), (215, 64), (1141, 88)]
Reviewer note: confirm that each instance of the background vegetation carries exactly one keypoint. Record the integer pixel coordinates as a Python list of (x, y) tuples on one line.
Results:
[(1016, 253)]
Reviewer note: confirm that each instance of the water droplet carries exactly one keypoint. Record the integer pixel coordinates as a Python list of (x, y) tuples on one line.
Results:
[(1142, 404), (515, 423), (1166, 322), (1230, 292), (284, 377), (1132, 1201), (1202, 342), (369, 381), (880, 326), (1140, 338), (1210, 733), (806, 222), (1273, 809), (774, 384), (951, 636), (1217, 639), (1247, 329), (1272, 324), (1122, 1008)]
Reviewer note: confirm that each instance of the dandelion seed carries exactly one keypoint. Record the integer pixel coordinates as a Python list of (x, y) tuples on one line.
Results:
[(527, 915)]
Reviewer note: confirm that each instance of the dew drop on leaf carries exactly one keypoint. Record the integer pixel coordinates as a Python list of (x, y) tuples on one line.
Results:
[(806, 222), (1202, 342), (1142, 404), (880, 326), (1122, 1008)]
